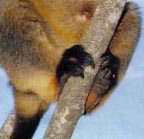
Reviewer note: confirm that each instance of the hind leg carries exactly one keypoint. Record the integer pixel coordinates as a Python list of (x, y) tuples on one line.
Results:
[(105, 79), (116, 59), (29, 110)]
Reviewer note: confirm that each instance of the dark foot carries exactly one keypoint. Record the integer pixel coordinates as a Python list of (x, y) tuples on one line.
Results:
[(108, 69), (105, 79), (74, 61)]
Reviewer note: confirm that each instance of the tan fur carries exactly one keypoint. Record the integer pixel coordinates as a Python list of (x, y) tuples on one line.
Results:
[(33, 36), (27, 104), (127, 34), (67, 27), (35, 33)]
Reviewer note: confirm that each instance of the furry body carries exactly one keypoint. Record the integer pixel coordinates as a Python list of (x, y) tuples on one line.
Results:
[(34, 35)]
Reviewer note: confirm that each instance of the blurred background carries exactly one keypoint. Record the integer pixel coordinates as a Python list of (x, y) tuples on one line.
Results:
[(122, 116)]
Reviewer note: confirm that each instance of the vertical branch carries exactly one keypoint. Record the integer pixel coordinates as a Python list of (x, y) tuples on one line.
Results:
[(72, 100)]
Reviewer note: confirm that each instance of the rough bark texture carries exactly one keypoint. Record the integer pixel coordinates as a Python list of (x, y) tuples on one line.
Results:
[(72, 100), (7, 128)]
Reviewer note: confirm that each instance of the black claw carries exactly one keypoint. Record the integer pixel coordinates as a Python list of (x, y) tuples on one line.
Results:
[(74, 61), (93, 65), (82, 75), (88, 60)]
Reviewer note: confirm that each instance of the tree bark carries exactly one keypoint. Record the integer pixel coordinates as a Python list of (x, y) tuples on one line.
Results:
[(7, 128), (72, 100)]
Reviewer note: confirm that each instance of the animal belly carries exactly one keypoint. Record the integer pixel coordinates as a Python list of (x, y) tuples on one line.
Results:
[(42, 83)]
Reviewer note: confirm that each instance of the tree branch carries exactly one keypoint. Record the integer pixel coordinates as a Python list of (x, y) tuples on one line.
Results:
[(72, 100), (7, 128)]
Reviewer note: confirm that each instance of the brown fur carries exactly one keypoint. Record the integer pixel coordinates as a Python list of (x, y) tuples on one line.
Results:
[(33, 36), (34, 31), (122, 46)]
